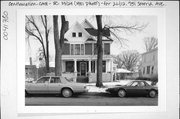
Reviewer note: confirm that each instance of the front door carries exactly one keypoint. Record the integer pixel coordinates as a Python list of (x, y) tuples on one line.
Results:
[(83, 67)]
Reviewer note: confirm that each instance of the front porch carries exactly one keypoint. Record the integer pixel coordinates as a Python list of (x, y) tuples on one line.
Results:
[(84, 70)]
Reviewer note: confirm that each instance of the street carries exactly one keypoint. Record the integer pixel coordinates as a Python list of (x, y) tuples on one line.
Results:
[(89, 99)]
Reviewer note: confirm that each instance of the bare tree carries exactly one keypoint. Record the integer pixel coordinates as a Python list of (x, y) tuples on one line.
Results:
[(33, 29), (129, 59), (150, 43), (59, 42), (117, 60), (112, 29)]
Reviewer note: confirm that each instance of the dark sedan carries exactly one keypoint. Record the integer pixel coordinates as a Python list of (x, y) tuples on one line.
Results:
[(136, 88)]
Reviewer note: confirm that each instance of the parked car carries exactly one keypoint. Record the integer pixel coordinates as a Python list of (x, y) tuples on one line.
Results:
[(54, 85), (136, 88)]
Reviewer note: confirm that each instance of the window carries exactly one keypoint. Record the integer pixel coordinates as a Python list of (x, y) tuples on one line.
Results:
[(148, 69), (152, 69), (141, 84), (95, 49), (82, 49), (88, 48), (66, 49), (77, 49), (104, 66), (72, 49), (69, 66), (43, 80), (55, 80), (93, 66), (80, 34), (106, 48), (73, 34), (135, 84)]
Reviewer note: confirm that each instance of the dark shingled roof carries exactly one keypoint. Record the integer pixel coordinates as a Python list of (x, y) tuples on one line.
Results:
[(90, 39), (94, 32)]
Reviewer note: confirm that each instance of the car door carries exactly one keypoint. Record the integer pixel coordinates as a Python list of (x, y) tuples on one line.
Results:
[(132, 89), (141, 88), (55, 85), (40, 86)]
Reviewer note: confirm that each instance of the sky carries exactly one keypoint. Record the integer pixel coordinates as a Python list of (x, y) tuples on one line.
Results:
[(134, 39)]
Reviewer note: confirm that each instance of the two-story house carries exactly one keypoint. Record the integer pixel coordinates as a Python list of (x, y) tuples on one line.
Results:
[(80, 52), (149, 66)]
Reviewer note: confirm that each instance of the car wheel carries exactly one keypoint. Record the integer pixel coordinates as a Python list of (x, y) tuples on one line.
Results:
[(121, 93), (67, 92), (152, 93)]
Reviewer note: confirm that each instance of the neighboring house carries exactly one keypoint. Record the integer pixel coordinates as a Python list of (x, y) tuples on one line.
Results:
[(80, 53), (30, 72), (149, 66)]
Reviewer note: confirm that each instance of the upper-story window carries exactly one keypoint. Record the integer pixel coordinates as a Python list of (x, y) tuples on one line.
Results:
[(80, 34), (77, 49), (107, 48), (73, 34), (148, 69)]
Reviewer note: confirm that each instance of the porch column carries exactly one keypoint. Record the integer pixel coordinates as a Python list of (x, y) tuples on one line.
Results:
[(89, 66), (111, 69), (75, 70), (75, 65)]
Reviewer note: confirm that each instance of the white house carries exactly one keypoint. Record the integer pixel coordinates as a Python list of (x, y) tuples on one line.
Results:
[(149, 66), (80, 53)]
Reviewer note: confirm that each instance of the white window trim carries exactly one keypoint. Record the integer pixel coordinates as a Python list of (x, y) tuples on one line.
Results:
[(74, 48)]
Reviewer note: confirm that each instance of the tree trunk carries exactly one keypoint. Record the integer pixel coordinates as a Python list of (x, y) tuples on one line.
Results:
[(47, 47), (99, 51), (59, 43)]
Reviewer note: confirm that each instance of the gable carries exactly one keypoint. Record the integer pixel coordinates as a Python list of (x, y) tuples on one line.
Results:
[(77, 34), (85, 32)]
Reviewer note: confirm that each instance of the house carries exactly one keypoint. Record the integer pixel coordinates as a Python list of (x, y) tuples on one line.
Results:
[(149, 66), (80, 53), (30, 72)]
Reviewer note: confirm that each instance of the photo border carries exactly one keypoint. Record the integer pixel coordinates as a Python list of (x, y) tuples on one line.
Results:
[(159, 12)]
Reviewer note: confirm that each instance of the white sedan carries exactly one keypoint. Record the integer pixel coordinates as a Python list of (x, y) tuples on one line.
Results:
[(54, 85)]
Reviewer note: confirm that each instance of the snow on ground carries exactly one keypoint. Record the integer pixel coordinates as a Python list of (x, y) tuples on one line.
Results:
[(92, 88)]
